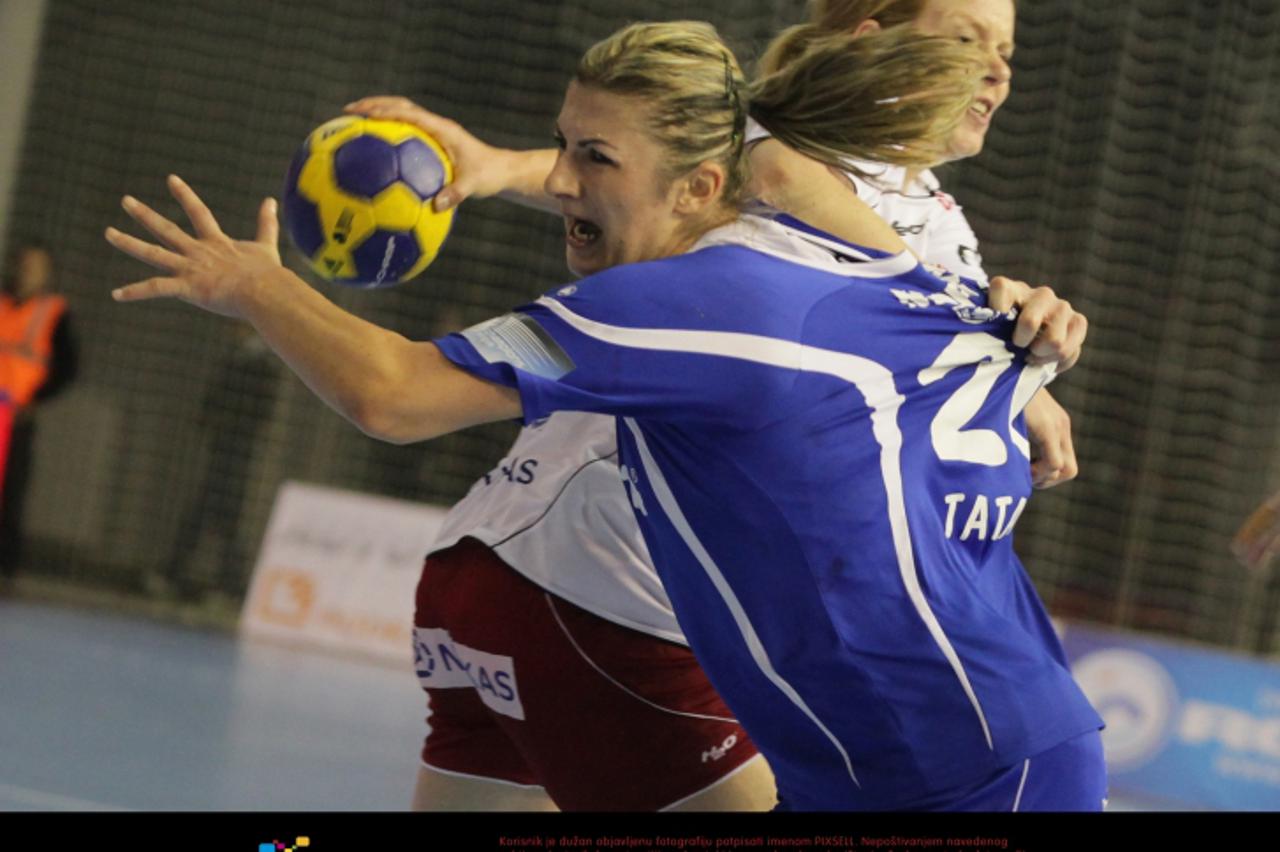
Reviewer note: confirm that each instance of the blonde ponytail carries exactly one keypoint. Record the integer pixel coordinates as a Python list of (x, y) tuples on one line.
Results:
[(892, 96), (827, 17)]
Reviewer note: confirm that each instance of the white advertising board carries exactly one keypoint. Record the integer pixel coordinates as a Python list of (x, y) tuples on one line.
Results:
[(337, 571)]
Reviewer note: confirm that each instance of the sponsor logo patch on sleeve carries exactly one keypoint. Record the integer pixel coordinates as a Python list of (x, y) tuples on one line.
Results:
[(518, 340)]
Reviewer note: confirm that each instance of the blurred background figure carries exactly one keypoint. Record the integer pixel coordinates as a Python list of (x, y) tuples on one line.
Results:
[(37, 359), (210, 552), (1258, 538)]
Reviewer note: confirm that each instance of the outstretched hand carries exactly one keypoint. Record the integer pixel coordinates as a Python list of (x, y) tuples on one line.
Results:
[(1047, 325), (209, 270)]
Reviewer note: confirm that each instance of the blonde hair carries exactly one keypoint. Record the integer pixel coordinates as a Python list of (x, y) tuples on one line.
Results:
[(836, 16), (892, 96), (694, 89), (846, 15), (828, 17)]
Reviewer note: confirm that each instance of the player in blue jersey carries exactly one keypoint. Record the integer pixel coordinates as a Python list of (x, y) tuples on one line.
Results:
[(562, 544), (821, 443)]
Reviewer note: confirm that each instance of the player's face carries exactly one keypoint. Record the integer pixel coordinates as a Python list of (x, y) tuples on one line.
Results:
[(609, 181), (988, 23)]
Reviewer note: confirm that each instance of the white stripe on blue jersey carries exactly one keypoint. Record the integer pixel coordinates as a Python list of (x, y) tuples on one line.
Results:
[(872, 380), (759, 654)]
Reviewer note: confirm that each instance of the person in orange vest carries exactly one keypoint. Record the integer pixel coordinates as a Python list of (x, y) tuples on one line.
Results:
[(37, 358)]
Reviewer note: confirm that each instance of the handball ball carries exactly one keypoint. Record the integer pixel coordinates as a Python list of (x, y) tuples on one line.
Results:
[(357, 201)]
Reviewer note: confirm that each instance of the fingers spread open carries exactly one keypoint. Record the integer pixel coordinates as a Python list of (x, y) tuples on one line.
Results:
[(201, 218), (146, 252), (161, 228), (152, 288)]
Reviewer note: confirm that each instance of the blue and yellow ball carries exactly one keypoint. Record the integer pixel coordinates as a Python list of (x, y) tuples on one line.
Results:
[(357, 201)]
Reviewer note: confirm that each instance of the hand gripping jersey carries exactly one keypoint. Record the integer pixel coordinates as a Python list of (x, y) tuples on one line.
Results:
[(825, 456)]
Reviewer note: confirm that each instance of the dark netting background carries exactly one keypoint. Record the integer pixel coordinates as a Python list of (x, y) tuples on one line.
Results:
[(1132, 167)]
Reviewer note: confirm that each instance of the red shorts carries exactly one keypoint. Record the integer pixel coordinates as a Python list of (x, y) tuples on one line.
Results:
[(527, 688)]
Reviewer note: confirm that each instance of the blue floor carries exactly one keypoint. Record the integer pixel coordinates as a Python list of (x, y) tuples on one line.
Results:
[(99, 712)]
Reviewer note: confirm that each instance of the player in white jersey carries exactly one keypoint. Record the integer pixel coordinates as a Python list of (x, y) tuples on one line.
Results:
[(910, 198), (552, 512), (632, 194)]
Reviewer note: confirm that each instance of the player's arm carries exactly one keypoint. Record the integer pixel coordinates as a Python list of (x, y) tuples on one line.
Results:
[(784, 178), (388, 386), (480, 169), (809, 190)]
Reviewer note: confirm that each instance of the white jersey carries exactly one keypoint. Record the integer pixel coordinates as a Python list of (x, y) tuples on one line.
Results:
[(927, 219), (555, 510)]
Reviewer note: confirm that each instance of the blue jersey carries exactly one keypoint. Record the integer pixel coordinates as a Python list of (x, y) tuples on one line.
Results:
[(825, 454)]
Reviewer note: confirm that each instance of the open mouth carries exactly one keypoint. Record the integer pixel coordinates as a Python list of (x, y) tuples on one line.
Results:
[(982, 109), (580, 232)]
